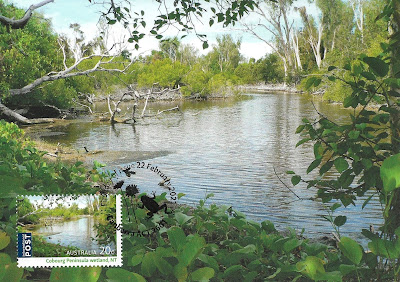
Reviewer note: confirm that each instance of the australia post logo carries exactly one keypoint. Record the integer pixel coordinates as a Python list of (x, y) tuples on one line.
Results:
[(24, 245)]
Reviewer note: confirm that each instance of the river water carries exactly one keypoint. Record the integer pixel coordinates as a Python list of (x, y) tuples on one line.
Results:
[(230, 148), (77, 233)]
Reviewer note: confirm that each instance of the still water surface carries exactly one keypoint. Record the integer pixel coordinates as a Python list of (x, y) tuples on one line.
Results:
[(230, 148), (77, 233)]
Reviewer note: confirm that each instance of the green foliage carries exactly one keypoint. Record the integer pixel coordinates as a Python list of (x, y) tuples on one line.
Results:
[(351, 250), (58, 93), (364, 152), (105, 210), (272, 69), (249, 73), (28, 53), (25, 210), (337, 91), (9, 271), (43, 248), (218, 243), (196, 81), (223, 83), (24, 168), (225, 56), (164, 72), (204, 243), (390, 173), (90, 274)]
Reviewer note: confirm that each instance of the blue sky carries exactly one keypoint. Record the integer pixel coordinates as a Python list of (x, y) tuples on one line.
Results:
[(65, 12), (52, 203)]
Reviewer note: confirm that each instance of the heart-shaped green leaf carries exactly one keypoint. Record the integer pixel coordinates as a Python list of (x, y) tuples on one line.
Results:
[(351, 249), (390, 173)]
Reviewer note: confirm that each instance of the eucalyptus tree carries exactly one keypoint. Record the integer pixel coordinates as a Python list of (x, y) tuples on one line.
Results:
[(358, 10), (332, 30), (188, 54), (225, 55), (170, 47), (273, 20)]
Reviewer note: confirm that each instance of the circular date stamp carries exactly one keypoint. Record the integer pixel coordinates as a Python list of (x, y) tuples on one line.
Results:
[(144, 213)]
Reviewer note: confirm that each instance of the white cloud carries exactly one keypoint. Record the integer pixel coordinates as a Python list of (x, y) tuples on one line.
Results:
[(255, 50)]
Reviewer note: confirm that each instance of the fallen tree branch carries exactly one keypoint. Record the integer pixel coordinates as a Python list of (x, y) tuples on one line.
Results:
[(21, 119), (163, 111), (145, 106), (18, 24), (116, 109), (83, 105), (67, 73), (31, 213)]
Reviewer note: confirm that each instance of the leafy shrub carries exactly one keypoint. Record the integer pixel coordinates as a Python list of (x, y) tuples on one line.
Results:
[(223, 83), (249, 73), (24, 168), (196, 81), (272, 69), (337, 91), (164, 72)]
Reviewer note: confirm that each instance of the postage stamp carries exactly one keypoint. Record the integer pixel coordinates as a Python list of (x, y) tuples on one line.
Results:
[(68, 230)]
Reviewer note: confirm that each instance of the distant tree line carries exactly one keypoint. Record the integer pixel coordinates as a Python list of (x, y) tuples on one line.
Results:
[(342, 30)]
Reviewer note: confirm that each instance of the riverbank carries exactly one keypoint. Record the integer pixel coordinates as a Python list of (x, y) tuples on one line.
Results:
[(262, 88), (175, 94), (157, 94), (70, 155)]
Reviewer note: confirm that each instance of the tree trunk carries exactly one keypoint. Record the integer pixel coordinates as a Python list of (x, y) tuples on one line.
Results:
[(395, 73), (296, 50), (13, 116), (17, 24), (393, 220)]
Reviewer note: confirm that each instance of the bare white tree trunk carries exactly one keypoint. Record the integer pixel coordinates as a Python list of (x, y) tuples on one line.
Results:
[(274, 20), (296, 50), (333, 40), (357, 6), (315, 42)]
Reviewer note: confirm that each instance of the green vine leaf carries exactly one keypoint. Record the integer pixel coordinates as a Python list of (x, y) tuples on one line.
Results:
[(311, 267), (377, 65), (351, 250), (4, 240), (341, 164), (124, 275), (313, 165), (295, 179), (390, 173), (340, 220), (203, 274)]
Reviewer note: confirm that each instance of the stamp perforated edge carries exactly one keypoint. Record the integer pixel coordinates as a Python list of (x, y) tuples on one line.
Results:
[(84, 261)]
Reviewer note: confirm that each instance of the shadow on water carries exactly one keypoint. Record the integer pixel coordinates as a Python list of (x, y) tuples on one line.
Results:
[(230, 148)]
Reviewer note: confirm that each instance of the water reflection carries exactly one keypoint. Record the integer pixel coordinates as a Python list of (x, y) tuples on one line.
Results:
[(76, 233), (230, 148)]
